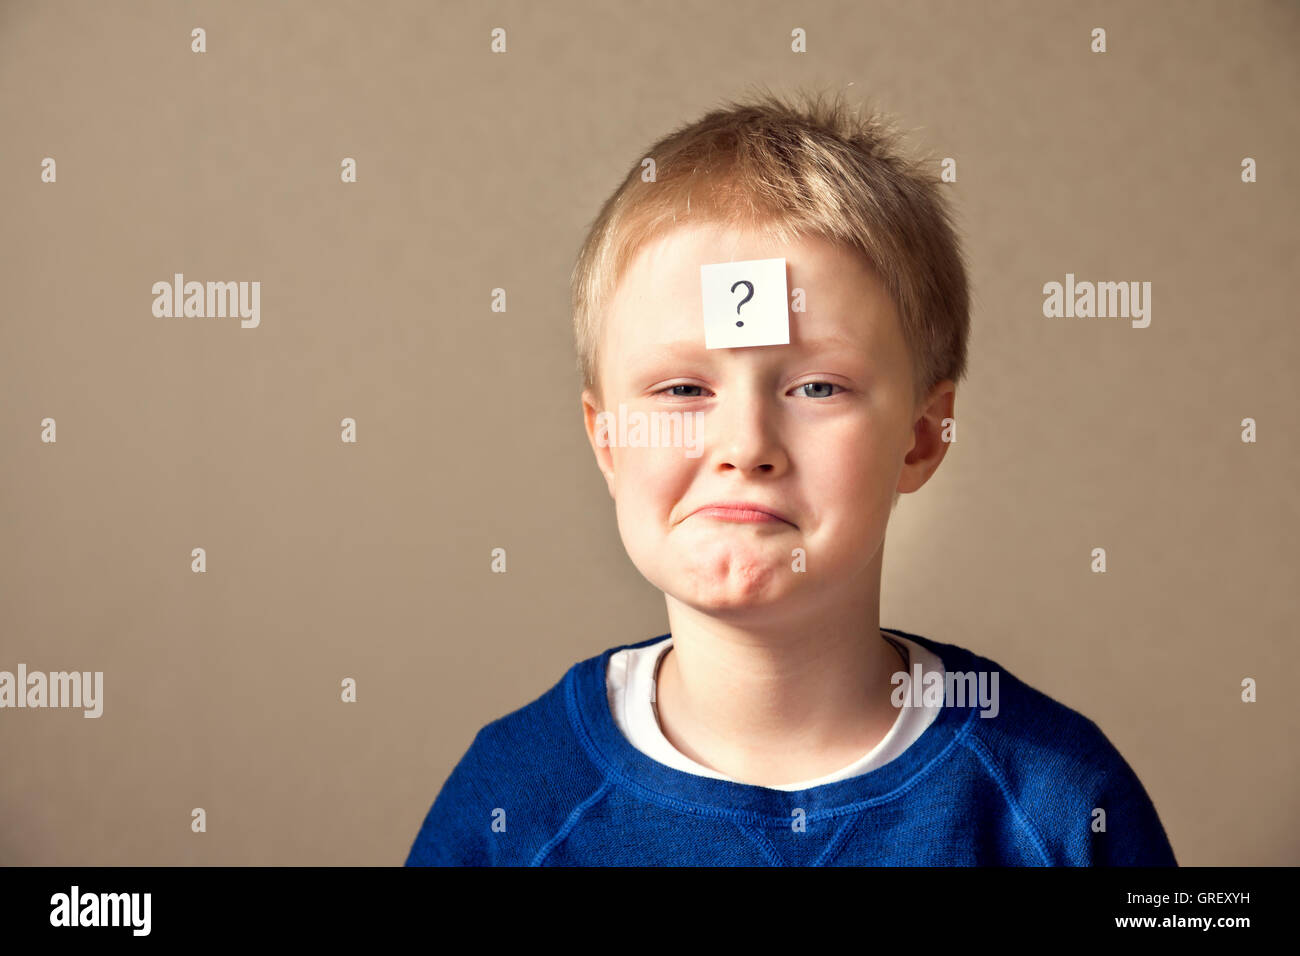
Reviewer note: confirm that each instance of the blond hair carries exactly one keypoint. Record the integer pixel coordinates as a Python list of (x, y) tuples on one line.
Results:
[(790, 169)]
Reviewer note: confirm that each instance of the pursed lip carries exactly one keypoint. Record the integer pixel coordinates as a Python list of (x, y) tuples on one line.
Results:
[(741, 511)]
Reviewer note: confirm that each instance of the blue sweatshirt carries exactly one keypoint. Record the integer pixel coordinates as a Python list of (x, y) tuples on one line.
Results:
[(555, 783)]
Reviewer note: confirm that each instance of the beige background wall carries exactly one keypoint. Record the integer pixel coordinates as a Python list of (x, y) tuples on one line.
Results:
[(476, 171)]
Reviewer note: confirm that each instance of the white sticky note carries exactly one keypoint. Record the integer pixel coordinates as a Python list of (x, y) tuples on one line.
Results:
[(745, 303)]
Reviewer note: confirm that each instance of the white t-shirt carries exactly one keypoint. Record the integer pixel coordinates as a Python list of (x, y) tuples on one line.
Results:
[(630, 685)]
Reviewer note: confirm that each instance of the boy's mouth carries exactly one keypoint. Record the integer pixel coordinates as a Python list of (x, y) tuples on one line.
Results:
[(741, 511)]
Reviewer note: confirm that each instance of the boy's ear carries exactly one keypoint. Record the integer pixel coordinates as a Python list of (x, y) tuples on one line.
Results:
[(598, 436), (928, 444)]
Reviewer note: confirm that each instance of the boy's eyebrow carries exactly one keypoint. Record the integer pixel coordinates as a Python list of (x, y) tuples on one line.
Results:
[(828, 342)]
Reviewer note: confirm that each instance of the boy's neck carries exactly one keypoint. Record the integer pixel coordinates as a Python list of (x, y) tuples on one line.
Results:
[(774, 705)]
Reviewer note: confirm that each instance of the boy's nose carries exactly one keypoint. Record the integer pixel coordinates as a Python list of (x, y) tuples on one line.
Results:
[(745, 437)]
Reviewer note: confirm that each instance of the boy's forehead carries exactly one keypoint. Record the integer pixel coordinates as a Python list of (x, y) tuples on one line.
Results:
[(658, 299), (677, 255)]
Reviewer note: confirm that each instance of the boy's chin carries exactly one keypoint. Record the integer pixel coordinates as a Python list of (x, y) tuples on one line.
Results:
[(735, 591)]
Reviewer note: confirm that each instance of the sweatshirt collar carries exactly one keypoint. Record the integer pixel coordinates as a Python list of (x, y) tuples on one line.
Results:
[(624, 765)]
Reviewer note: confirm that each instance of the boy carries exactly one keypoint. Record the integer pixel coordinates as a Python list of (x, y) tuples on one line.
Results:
[(777, 723)]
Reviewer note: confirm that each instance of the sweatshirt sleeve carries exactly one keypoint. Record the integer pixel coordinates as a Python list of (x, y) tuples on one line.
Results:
[(456, 829), (1133, 834), (1078, 799)]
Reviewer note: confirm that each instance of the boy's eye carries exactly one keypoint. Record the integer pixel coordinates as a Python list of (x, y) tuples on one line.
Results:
[(819, 385), (672, 389)]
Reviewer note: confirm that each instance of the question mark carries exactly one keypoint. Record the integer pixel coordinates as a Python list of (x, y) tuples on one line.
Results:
[(746, 298)]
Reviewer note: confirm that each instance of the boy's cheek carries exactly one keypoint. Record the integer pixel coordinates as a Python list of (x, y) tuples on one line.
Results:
[(659, 470), (645, 489)]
